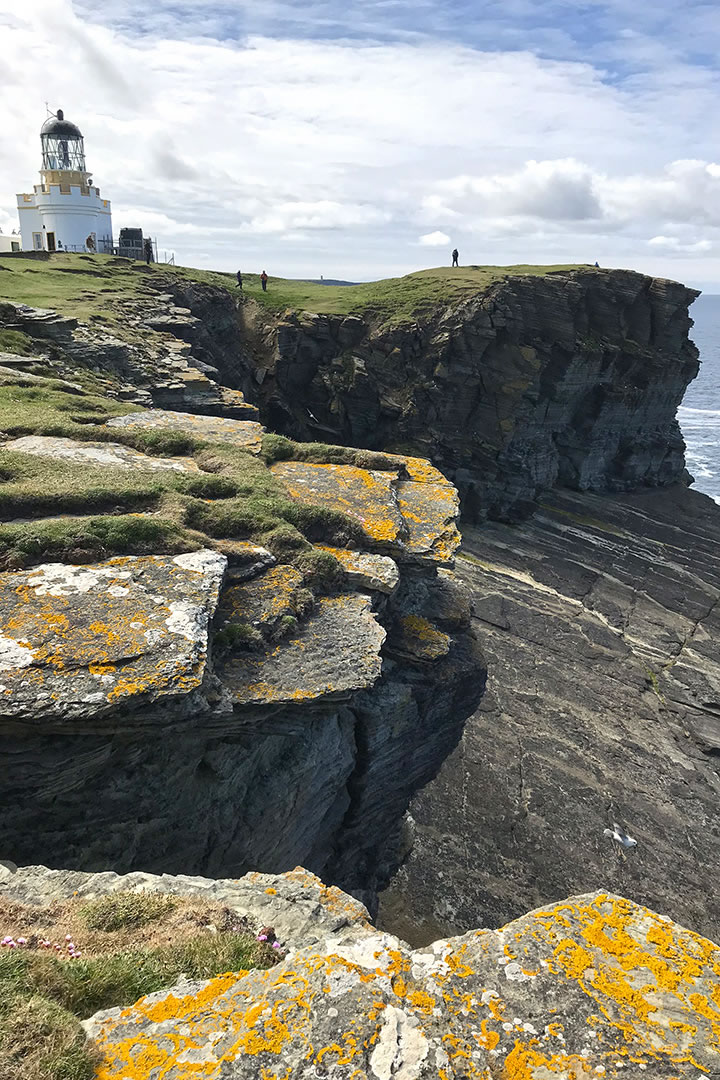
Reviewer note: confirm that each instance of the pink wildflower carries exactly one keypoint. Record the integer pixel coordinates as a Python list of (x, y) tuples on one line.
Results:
[(262, 937), (276, 945), (22, 941), (68, 937)]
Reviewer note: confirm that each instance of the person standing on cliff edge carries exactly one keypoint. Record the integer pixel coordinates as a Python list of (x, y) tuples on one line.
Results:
[(264, 281), (239, 280), (455, 257)]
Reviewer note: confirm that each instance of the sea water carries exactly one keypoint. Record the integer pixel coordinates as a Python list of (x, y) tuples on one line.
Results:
[(699, 414)]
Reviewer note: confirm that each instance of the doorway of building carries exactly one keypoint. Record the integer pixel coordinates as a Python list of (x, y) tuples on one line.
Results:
[(51, 241)]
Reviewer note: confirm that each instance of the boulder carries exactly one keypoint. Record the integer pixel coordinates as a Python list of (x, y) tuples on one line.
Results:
[(78, 641), (594, 986), (378, 573), (368, 495), (245, 434), (414, 520), (335, 652)]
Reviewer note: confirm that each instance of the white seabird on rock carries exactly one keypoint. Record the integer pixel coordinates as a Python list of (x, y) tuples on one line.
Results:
[(618, 833)]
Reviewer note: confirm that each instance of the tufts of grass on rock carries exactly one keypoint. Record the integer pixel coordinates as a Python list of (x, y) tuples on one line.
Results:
[(133, 944), (14, 341), (124, 909)]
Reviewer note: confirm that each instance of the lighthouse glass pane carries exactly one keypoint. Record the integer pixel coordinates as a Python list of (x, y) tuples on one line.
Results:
[(63, 153)]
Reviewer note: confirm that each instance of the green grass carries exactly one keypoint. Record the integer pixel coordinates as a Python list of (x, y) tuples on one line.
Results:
[(101, 511), (14, 341), (94, 287), (43, 998), (28, 408), (121, 910)]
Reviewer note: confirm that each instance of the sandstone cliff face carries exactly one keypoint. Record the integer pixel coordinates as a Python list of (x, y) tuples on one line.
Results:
[(591, 986), (571, 379)]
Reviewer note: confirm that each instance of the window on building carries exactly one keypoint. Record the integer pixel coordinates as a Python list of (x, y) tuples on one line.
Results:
[(14, 245), (38, 241)]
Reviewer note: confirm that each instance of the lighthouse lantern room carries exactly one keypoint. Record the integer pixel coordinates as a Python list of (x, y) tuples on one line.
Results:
[(65, 212)]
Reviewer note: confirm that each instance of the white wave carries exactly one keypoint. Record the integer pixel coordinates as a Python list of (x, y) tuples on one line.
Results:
[(684, 409)]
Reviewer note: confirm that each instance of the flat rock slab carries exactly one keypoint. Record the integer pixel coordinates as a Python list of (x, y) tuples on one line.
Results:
[(111, 455), (418, 638), (334, 653), (379, 573), (76, 640), (302, 910), (414, 518), (263, 600), (430, 512), (367, 495), (594, 986), (245, 434)]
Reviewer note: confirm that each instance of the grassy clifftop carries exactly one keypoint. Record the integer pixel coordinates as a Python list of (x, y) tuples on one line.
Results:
[(89, 286)]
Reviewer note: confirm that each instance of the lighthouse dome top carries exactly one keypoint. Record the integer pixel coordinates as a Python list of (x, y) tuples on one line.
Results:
[(63, 146), (61, 128)]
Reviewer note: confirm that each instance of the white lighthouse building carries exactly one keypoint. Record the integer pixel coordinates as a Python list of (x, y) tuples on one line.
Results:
[(65, 212)]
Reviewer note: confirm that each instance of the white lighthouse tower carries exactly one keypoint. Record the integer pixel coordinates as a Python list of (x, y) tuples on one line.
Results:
[(65, 212)]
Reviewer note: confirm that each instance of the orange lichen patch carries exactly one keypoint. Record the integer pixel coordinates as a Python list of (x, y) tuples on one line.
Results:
[(525, 1062), (337, 650), (430, 512), (378, 572), (600, 1005), (244, 434), (364, 494), (262, 600), (420, 470), (418, 637), (262, 1016), (95, 634)]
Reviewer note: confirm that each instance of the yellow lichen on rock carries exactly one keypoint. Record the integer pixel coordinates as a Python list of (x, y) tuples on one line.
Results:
[(364, 494), (75, 640), (413, 518), (419, 638), (592, 987), (336, 651)]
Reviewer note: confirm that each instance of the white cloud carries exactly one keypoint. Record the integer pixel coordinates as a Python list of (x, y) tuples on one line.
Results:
[(674, 243), (334, 156), (435, 239)]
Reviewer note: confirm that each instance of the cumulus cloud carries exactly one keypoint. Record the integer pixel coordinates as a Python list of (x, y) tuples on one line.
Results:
[(674, 243), (566, 192), (435, 239), (334, 156)]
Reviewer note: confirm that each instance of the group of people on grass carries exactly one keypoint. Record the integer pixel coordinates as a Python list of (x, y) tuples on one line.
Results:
[(263, 280)]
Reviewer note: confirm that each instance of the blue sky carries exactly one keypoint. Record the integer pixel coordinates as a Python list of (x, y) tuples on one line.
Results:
[(368, 139)]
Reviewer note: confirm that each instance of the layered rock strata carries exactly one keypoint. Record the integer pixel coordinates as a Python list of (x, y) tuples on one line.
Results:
[(130, 734), (591, 986), (150, 365), (599, 618), (567, 379)]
